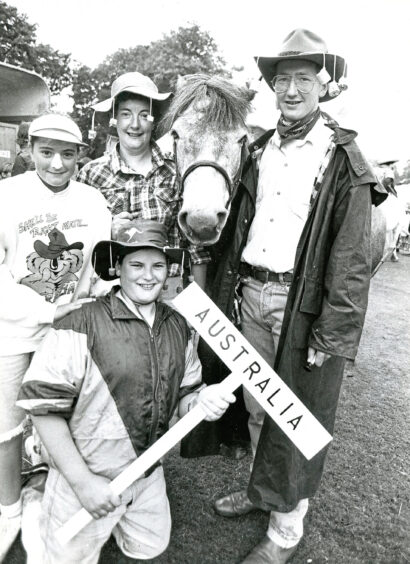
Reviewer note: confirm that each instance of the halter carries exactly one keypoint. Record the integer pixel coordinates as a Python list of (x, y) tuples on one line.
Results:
[(230, 184)]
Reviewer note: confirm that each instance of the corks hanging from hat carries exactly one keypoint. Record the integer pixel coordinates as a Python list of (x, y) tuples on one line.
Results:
[(336, 87)]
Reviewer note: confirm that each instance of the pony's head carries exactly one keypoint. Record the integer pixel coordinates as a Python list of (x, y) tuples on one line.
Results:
[(207, 120)]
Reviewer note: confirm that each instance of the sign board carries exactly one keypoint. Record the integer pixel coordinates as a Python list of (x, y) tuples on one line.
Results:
[(278, 400)]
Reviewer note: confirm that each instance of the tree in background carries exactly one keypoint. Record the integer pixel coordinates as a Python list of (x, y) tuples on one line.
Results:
[(19, 47), (185, 51)]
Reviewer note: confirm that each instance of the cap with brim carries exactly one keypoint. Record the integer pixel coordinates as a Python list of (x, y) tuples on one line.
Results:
[(134, 235), (303, 45), (56, 126), (133, 82)]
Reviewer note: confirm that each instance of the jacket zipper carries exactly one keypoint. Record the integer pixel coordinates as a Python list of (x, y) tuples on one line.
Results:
[(157, 388)]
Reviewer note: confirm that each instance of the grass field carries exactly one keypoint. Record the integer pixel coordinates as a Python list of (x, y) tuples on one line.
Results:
[(361, 513)]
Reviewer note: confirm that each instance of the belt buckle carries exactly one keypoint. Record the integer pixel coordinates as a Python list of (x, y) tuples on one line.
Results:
[(262, 274)]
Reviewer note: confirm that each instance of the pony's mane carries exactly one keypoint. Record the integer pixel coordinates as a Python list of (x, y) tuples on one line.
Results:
[(226, 103)]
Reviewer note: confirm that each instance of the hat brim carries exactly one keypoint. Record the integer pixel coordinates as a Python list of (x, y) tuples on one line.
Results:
[(106, 105), (267, 66), (103, 259), (59, 135)]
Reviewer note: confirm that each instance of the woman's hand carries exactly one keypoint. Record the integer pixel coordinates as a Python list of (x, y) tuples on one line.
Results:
[(96, 496), (118, 221), (215, 400)]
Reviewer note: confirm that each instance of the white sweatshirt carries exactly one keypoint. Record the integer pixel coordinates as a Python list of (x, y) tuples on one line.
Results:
[(46, 241)]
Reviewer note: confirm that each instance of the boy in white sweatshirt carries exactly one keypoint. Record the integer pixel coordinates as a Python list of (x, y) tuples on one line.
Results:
[(49, 225)]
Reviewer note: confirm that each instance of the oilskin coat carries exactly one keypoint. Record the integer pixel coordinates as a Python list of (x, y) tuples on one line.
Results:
[(325, 308)]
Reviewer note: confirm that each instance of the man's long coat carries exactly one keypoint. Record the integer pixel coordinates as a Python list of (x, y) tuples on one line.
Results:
[(325, 308)]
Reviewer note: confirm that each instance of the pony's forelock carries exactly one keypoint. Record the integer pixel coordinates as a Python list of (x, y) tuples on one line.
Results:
[(220, 103)]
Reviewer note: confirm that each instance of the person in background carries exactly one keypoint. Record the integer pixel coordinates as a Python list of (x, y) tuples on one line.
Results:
[(6, 171), (101, 390), (49, 225), (24, 160), (136, 178)]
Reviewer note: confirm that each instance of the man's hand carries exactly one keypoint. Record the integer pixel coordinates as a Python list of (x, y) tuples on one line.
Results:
[(96, 496), (315, 357), (215, 400), (65, 309), (118, 221)]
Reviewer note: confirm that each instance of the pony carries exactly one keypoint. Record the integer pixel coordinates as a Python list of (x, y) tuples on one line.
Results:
[(206, 120)]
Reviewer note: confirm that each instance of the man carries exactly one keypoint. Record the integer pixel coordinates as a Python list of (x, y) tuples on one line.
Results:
[(48, 227), (136, 178), (301, 245)]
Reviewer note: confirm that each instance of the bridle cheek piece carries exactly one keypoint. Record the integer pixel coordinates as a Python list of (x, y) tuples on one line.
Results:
[(230, 184)]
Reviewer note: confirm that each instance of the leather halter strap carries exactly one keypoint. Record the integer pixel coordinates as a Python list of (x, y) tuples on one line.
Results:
[(231, 185)]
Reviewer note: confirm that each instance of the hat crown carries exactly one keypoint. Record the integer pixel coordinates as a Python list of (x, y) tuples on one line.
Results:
[(302, 41), (133, 80), (142, 232), (56, 126)]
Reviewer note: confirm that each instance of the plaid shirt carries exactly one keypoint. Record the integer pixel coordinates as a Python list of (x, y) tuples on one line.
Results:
[(155, 196)]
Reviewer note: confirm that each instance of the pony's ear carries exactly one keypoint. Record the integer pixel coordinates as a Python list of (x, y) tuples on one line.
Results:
[(181, 80), (250, 94)]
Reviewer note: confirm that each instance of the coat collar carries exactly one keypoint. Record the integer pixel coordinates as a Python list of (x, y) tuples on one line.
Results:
[(119, 309), (342, 137)]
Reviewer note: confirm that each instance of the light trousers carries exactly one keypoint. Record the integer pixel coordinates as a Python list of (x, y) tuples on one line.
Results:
[(262, 311)]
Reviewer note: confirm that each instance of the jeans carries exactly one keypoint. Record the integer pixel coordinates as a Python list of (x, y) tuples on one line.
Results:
[(262, 311)]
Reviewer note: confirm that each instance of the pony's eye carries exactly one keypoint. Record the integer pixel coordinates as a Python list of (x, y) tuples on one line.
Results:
[(174, 134)]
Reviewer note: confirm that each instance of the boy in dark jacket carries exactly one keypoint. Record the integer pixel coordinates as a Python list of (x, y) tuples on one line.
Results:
[(102, 389)]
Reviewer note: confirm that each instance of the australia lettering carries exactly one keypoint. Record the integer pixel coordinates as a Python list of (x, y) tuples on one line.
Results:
[(271, 396)]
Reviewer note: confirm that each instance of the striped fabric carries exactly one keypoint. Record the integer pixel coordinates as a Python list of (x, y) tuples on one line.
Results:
[(114, 379), (155, 196)]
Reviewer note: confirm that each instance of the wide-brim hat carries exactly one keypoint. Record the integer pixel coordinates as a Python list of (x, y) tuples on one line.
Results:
[(136, 83), (56, 126), (133, 235), (304, 45)]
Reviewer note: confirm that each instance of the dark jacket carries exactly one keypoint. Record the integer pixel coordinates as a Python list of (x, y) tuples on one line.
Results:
[(110, 374), (325, 308)]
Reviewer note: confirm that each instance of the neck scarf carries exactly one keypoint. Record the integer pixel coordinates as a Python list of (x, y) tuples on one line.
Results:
[(297, 129)]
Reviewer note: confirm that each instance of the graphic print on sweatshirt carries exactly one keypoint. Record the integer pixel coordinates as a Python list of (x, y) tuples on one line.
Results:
[(54, 266)]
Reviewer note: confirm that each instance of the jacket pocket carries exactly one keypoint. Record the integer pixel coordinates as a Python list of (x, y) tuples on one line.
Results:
[(311, 301)]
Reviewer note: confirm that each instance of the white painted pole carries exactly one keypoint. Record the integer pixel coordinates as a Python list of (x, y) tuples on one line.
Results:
[(82, 518)]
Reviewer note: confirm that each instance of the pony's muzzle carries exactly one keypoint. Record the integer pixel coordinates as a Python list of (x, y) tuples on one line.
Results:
[(202, 228)]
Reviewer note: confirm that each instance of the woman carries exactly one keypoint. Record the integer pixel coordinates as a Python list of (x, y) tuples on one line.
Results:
[(136, 178)]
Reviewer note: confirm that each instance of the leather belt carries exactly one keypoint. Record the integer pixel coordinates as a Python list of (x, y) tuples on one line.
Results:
[(264, 276)]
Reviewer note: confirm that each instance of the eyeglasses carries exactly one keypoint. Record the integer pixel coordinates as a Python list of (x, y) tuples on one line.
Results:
[(303, 83)]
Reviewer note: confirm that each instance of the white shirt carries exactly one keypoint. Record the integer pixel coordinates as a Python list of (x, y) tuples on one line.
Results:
[(32, 284), (286, 177)]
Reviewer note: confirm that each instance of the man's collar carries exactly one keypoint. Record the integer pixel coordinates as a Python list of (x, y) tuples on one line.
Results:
[(342, 136)]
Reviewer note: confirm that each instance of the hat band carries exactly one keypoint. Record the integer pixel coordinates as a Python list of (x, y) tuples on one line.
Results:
[(289, 53)]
